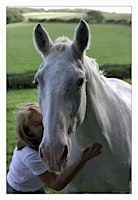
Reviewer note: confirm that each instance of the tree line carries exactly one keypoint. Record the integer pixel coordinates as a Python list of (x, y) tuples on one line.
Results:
[(15, 15)]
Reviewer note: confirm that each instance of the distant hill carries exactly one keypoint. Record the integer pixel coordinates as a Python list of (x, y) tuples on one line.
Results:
[(79, 11)]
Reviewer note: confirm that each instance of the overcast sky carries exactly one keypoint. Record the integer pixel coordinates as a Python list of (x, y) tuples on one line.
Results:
[(116, 9)]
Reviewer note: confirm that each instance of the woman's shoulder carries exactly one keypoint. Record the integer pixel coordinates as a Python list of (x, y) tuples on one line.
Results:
[(29, 158), (26, 152), (29, 151)]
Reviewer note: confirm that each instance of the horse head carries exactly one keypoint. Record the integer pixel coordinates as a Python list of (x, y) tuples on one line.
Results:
[(61, 82)]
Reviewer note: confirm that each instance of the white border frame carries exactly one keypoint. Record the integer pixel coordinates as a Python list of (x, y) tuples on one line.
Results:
[(75, 3)]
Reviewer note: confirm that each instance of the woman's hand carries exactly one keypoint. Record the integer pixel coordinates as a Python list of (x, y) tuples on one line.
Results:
[(90, 152)]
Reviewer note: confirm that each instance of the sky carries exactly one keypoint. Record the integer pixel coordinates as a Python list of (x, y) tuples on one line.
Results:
[(116, 9)]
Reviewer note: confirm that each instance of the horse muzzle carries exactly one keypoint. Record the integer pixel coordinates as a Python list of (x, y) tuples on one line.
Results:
[(54, 157)]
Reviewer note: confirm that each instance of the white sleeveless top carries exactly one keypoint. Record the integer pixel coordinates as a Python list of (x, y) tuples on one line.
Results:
[(24, 169)]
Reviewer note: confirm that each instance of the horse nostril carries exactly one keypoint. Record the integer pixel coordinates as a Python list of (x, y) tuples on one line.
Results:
[(65, 153)]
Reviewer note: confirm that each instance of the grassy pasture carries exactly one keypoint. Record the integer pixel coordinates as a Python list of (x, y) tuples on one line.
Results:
[(110, 44), (14, 98)]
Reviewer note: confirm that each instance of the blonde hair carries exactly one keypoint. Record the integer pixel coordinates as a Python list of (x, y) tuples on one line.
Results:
[(22, 126)]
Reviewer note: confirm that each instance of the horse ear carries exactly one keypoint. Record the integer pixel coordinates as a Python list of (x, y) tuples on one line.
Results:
[(42, 40), (81, 37)]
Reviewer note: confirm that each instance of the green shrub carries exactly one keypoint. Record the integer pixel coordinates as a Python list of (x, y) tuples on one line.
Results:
[(14, 15), (121, 21), (117, 71), (94, 16), (20, 81), (54, 20)]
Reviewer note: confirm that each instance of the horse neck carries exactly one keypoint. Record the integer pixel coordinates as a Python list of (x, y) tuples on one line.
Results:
[(96, 123)]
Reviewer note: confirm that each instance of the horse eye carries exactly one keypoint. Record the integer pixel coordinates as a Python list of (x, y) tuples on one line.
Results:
[(80, 82)]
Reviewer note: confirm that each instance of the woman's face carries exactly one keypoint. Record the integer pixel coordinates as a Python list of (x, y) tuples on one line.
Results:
[(35, 124)]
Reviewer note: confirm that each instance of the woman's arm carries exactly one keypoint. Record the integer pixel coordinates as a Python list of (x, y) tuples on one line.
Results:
[(58, 182)]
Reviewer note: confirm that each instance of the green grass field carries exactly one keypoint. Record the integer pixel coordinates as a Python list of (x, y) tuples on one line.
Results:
[(110, 44), (14, 98)]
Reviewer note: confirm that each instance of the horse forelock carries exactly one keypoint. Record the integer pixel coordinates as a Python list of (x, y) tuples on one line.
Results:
[(62, 39), (61, 44)]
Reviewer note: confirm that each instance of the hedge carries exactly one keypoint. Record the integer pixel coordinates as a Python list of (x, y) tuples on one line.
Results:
[(13, 15), (54, 20), (20, 81), (121, 71), (25, 80), (76, 20)]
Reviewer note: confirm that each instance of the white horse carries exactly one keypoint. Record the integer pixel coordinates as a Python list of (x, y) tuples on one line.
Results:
[(80, 106)]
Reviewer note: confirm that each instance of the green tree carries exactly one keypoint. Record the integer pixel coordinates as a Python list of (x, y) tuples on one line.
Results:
[(94, 16), (14, 15)]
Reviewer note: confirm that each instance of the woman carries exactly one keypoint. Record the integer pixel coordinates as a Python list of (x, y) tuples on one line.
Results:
[(27, 172)]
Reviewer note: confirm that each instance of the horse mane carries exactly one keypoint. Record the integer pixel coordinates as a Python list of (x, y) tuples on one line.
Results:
[(94, 67)]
